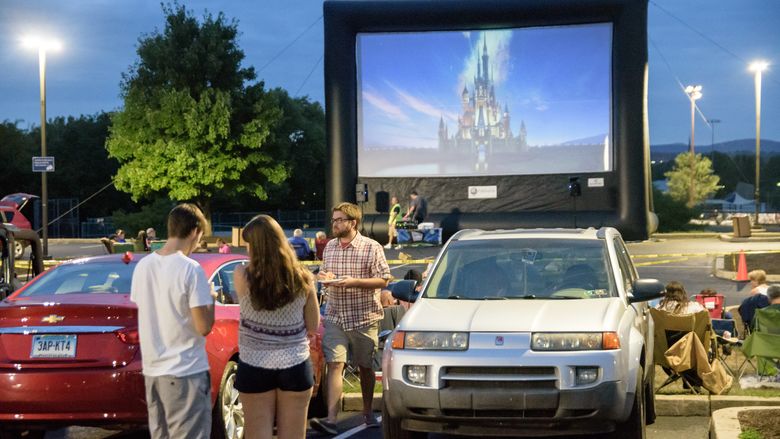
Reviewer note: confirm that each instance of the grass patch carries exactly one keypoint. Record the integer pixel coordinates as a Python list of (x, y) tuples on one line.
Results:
[(750, 433), (353, 386)]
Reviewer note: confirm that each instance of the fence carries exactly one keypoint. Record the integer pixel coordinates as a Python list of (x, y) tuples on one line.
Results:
[(222, 223)]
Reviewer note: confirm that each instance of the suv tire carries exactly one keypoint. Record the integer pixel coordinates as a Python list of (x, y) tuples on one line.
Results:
[(634, 426), (391, 427)]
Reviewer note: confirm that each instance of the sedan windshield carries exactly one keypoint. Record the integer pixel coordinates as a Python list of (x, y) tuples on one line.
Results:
[(502, 269), (84, 278)]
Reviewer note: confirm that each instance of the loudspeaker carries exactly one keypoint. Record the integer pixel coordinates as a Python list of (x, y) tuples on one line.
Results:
[(382, 199), (361, 193)]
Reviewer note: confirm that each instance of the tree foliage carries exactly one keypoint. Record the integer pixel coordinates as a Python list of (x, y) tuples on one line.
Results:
[(689, 169), (193, 124), (673, 215)]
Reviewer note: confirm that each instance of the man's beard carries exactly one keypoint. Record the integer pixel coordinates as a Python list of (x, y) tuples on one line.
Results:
[(343, 233)]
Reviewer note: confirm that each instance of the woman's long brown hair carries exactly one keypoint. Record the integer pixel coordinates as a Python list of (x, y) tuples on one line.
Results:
[(675, 292), (274, 274)]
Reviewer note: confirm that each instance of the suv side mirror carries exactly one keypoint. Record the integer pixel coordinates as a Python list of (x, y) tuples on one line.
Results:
[(404, 290), (646, 289)]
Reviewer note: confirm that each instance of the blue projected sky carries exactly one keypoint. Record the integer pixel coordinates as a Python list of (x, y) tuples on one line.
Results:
[(555, 80)]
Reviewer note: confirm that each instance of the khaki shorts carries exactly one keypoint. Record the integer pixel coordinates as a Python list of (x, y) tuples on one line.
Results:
[(362, 343)]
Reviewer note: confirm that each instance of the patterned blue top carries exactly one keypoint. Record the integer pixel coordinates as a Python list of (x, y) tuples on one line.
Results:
[(273, 339)]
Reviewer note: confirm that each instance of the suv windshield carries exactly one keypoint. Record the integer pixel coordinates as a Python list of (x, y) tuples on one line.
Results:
[(109, 277), (523, 268)]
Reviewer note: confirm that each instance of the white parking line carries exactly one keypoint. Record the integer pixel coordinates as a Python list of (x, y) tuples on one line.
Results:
[(353, 431), (92, 246)]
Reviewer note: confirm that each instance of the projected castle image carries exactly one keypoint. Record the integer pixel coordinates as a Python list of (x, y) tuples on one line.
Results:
[(483, 127)]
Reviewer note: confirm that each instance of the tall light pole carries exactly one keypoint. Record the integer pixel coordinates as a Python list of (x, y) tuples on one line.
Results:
[(758, 67), (43, 44), (712, 142), (694, 94)]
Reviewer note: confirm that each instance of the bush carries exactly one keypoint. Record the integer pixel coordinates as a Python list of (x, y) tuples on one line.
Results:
[(152, 215), (673, 216)]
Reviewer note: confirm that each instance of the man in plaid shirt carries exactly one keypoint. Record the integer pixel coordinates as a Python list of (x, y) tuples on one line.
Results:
[(354, 269)]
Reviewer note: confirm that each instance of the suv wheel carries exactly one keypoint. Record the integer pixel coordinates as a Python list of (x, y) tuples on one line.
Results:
[(634, 426), (228, 414), (391, 427)]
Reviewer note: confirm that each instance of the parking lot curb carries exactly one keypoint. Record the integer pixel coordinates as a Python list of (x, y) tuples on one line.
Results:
[(725, 422), (665, 405)]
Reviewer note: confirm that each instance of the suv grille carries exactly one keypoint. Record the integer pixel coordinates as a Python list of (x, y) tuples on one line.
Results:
[(461, 377)]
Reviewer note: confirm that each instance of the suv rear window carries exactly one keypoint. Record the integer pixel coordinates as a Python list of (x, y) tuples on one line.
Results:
[(523, 268)]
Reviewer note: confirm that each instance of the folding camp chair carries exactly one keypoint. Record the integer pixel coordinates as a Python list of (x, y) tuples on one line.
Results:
[(764, 341), (669, 328)]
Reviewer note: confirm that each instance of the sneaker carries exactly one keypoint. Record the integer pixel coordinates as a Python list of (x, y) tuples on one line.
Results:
[(370, 421), (323, 426), (389, 246), (398, 247)]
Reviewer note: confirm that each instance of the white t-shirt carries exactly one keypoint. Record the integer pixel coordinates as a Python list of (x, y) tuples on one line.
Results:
[(165, 288), (692, 307)]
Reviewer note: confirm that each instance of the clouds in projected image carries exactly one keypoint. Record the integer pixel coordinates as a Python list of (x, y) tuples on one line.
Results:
[(501, 102), (554, 80)]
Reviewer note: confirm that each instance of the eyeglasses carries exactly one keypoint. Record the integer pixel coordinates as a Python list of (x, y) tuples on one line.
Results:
[(339, 220)]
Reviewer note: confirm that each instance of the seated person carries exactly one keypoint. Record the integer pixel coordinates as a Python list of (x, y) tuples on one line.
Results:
[(676, 300), (300, 245), (117, 237), (141, 242), (579, 276), (151, 235), (393, 312), (485, 279), (222, 246), (747, 310), (203, 247), (320, 240)]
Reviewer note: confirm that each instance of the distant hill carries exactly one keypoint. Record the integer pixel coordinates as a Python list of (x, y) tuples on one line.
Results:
[(732, 147)]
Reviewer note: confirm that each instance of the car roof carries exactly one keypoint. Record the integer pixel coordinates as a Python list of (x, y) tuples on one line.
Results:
[(541, 233), (209, 261)]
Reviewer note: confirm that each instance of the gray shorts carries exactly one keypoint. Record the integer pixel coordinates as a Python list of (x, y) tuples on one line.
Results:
[(362, 343), (179, 407)]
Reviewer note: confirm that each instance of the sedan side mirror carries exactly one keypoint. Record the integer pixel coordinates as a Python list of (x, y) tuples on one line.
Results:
[(404, 290), (646, 289)]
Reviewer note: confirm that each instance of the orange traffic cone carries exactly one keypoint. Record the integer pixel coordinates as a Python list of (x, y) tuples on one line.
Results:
[(742, 274)]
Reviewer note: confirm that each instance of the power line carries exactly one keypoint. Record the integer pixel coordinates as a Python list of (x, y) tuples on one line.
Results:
[(679, 83), (309, 75), (701, 34), (274, 58)]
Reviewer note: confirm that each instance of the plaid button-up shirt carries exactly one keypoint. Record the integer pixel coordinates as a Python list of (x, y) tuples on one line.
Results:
[(353, 308)]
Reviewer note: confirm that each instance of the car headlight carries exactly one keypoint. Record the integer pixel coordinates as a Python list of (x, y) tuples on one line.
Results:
[(441, 341), (574, 341)]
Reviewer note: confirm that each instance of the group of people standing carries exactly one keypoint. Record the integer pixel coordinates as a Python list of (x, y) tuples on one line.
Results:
[(279, 312), (418, 210)]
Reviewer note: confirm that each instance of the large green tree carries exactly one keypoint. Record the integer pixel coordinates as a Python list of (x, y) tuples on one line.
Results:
[(692, 169), (194, 123)]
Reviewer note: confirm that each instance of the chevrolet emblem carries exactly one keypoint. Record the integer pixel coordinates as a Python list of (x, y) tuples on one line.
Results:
[(53, 318)]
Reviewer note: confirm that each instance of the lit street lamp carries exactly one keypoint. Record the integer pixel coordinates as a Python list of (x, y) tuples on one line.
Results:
[(694, 93), (43, 45), (758, 67)]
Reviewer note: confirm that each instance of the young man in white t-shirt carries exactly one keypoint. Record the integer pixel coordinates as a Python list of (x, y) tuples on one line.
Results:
[(175, 313)]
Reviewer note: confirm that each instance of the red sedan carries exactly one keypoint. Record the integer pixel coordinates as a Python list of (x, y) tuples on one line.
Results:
[(69, 352)]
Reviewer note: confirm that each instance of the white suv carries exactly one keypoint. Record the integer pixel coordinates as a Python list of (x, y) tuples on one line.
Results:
[(524, 332)]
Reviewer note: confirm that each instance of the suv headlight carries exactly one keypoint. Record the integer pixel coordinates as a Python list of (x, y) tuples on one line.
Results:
[(435, 341), (574, 341)]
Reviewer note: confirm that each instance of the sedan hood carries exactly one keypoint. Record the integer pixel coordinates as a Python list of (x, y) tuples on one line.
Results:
[(514, 315)]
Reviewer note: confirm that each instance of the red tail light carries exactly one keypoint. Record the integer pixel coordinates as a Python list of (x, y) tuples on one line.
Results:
[(127, 257), (128, 335)]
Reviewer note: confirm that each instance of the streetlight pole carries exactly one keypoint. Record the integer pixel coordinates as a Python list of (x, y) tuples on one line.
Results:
[(758, 67), (694, 93), (712, 142), (42, 45)]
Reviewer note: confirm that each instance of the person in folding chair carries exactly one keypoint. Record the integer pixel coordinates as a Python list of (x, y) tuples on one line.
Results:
[(685, 346), (764, 341)]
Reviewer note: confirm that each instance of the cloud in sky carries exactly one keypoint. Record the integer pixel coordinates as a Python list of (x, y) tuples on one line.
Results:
[(391, 110), (422, 106)]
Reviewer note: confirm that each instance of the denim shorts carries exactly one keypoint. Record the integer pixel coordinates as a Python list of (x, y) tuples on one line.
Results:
[(250, 379)]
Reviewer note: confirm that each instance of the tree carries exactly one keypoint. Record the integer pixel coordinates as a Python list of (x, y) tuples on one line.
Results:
[(692, 168), (193, 124)]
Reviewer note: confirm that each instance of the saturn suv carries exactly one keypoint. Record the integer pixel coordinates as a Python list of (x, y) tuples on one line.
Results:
[(524, 332)]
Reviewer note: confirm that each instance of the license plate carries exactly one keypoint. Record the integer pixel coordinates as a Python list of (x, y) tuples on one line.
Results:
[(53, 346)]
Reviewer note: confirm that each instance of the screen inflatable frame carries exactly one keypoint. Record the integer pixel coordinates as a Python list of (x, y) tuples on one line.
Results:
[(618, 197)]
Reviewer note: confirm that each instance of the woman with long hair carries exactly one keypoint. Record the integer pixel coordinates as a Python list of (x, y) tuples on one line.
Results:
[(676, 300), (278, 310)]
